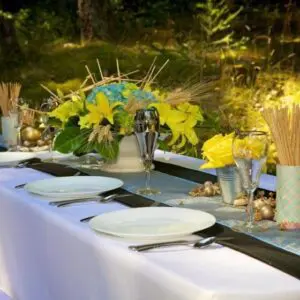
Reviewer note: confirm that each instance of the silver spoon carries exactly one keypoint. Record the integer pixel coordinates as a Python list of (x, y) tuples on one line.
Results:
[(198, 244), (98, 198)]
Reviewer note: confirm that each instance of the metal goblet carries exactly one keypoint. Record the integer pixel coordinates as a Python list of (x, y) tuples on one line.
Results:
[(147, 132)]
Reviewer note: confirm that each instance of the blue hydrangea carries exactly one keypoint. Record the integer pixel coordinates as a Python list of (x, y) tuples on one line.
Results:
[(143, 95), (115, 92), (112, 91)]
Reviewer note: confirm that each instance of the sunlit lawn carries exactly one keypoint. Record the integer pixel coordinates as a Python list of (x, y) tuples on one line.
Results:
[(63, 66)]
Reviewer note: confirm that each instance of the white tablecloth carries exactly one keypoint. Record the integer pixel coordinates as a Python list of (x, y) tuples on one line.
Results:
[(47, 254)]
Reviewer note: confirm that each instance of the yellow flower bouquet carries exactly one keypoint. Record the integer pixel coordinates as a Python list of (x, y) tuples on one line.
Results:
[(217, 151), (97, 117)]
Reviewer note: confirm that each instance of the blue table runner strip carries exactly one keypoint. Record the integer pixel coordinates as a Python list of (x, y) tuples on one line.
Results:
[(173, 187)]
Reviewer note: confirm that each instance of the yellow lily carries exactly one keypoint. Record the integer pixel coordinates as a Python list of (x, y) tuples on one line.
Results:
[(186, 129), (192, 116), (168, 115), (99, 111), (193, 112), (181, 121), (67, 110)]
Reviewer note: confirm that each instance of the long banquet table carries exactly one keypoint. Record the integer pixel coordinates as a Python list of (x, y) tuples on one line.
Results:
[(46, 253)]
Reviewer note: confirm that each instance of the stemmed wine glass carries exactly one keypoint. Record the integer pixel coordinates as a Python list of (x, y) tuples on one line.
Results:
[(250, 154), (147, 131)]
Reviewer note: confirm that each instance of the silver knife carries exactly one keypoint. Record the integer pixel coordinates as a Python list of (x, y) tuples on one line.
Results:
[(97, 198), (145, 247)]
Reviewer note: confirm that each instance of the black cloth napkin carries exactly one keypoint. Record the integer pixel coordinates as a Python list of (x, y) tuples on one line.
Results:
[(267, 253), (55, 169)]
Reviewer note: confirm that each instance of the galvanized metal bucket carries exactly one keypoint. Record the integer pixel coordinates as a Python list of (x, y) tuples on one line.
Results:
[(288, 197), (230, 183)]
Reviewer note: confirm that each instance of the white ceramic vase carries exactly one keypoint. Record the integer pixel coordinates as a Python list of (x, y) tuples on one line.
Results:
[(129, 159)]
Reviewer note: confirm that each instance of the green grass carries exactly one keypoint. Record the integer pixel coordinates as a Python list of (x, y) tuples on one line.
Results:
[(62, 67), (58, 66)]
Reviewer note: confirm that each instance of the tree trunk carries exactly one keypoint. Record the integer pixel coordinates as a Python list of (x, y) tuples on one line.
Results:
[(85, 13), (104, 13), (287, 32), (9, 45)]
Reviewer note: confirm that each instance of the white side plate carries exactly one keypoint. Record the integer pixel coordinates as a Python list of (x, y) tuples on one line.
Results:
[(73, 186)]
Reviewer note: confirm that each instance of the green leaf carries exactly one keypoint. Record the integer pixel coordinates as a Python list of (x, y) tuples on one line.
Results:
[(108, 150), (71, 139), (84, 149), (125, 120), (163, 145), (72, 122), (54, 122)]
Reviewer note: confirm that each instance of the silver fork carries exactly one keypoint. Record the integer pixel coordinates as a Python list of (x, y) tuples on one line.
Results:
[(99, 198)]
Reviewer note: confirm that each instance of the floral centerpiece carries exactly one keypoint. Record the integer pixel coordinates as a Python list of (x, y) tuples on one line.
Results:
[(97, 117)]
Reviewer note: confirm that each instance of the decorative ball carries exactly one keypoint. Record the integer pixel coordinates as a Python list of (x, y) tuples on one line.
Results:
[(40, 143), (24, 149), (209, 191), (268, 201), (216, 189), (48, 137), (208, 184), (28, 144), (259, 203), (240, 201), (258, 216), (30, 134), (267, 212), (48, 142)]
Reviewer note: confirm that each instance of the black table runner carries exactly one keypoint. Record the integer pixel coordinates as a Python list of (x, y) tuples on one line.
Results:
[(278, 258)]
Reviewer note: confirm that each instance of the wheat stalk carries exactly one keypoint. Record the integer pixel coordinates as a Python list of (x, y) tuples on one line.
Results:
[(195, 93), (9, 96), (4, 99)]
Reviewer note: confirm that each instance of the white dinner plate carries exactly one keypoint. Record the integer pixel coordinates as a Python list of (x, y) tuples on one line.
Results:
[(10, 159), (152, 222), (73, 186)]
